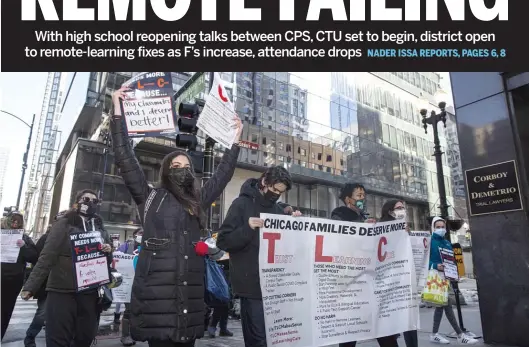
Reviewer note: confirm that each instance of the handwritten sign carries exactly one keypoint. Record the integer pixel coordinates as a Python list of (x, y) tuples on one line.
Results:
[(449, 263), (149, 108), (90, 263), (10, 251), (216, 118)]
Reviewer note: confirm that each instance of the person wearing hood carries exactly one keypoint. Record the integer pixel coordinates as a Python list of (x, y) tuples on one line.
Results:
[(440, 242), (167, 301), (128, 247), (353, 196), (239, 235), (13, 274), (70, 315)]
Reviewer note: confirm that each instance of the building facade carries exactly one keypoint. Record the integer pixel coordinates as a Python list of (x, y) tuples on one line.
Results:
[(325, 128), (492, 110), (41, 175)]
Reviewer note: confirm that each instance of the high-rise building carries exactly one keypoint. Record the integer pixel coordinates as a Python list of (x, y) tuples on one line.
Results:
[(325, 128), (38, 197), (4, 159)]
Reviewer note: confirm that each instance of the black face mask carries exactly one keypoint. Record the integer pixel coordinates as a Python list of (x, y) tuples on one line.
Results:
[(271, 196), (182, 177), (86, 209)]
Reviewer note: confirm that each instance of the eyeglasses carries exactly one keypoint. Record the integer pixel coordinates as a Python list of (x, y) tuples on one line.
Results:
[(87, 200)]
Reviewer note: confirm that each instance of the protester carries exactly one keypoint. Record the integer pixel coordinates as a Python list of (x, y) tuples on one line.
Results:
[(70, 315), (353, 196), (220, 316), (167, 305), (439, 242), (40, 315), (13, 274), (239, 236), (129, 247), (396, 210)]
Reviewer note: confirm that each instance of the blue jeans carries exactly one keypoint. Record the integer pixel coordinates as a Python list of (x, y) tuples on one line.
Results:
[(38, 320)]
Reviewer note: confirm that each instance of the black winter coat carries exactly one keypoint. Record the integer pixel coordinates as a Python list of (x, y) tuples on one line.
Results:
[(242, 242), (55, 262), (28, 254), (41, 293), (346, 214), (167, 302)]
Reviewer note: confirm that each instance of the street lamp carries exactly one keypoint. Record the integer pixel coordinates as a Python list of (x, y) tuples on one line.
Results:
[(25, 158), (434, 120)]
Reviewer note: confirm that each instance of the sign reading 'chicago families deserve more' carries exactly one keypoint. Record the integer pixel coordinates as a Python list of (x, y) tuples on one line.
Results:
[(325, 282), (149, 108), (493, 189), (89, 262)]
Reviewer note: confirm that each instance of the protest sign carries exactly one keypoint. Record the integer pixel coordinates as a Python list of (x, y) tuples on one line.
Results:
[(449, 263), (420, 245), (326, 282), (90, 263), (149, 108), (216, 118), (10, 250), (458, 254), (124, 264)]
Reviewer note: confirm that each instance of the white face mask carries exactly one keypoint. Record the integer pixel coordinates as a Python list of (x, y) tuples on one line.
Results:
[(400, 214), (138, 238), (440, 231)]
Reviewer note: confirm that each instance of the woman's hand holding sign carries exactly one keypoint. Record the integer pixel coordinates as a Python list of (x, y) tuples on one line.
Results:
[(238, 125), (117, 96)]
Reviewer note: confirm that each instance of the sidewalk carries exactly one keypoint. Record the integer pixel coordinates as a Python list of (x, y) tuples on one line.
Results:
[(470, 315)]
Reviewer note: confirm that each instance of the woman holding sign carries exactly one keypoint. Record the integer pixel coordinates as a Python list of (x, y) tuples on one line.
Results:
[(76, 260), (167, 303), (439, 242)]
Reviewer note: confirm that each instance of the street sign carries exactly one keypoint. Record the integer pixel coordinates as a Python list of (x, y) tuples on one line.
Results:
[(493, 189)]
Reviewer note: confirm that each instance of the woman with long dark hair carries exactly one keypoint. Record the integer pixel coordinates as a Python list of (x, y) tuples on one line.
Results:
[(167, 303), (71, 316)]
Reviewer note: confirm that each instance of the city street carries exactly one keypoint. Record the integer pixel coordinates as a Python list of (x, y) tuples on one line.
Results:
[(25, 309)]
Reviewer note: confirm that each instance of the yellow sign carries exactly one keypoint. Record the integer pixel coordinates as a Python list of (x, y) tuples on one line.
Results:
[(458, 254)]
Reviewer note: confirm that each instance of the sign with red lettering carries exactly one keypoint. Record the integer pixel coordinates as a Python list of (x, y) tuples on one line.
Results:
[(325, 282), (91, 268), (149, 109)]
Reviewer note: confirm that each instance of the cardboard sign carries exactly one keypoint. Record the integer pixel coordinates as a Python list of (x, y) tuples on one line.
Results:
[(90, 264), (149, 109)]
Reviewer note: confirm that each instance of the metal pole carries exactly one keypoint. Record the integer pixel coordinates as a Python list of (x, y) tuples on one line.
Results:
[(438, 154), (25, 162), (209, 158), (103, 175)]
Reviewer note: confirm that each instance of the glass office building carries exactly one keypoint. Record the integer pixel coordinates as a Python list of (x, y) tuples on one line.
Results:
[(325, 128)]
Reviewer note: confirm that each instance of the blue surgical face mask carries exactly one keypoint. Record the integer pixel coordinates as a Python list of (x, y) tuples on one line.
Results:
[(440, 231)]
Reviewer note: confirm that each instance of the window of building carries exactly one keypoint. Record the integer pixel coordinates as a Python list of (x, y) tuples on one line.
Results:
[(254, 138), (264, 140), (385, 134), (303, 152), (393, 137), (289, 148), (400, 140), (420, 149)]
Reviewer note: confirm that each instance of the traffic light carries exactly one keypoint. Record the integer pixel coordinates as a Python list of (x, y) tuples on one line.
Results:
[(187, 126), (8, 210)]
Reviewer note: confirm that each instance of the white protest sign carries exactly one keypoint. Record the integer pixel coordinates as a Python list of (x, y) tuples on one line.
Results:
[(216, 118), (420, 245), (449, 263), (326, 282), (149, 108), (123, 263), (10, 250)]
